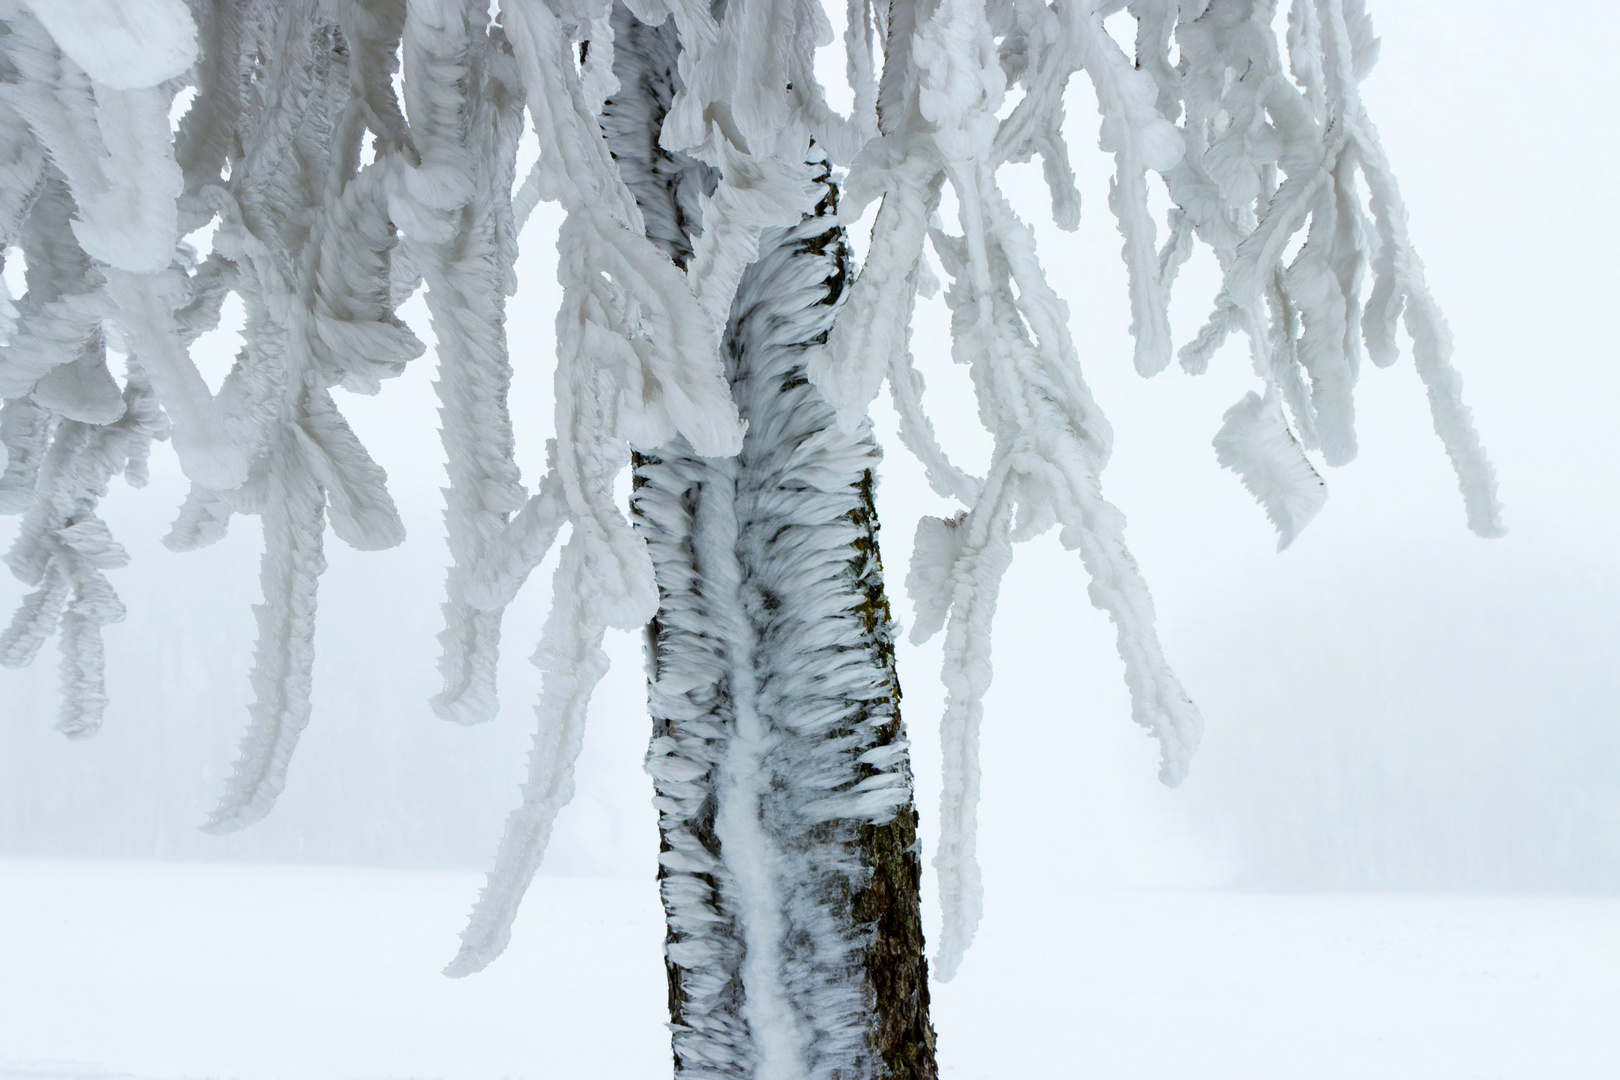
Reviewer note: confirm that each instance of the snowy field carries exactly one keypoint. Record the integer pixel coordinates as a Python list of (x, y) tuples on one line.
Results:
[(159, 970)]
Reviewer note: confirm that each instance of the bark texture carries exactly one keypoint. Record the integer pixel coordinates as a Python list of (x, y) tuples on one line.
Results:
[(789, 868)]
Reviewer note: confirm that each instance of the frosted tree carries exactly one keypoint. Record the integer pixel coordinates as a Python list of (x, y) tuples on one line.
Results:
[(717, 337)]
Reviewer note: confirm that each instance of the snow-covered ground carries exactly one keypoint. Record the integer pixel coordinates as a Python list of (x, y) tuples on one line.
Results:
[(242, 972)]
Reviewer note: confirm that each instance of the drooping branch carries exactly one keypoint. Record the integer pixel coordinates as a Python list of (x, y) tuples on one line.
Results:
[(1264, 146)]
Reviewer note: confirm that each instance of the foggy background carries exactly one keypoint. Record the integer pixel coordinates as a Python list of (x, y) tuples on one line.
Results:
[(1391, 704)]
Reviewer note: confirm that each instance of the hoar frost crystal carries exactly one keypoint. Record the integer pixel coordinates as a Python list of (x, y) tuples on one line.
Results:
[(714, 327)]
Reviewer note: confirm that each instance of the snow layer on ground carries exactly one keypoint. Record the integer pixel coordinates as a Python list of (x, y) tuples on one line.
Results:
[(245, 972), (124, 970)]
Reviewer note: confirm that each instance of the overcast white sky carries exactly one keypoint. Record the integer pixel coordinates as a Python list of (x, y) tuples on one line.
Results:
[(1389, 694)]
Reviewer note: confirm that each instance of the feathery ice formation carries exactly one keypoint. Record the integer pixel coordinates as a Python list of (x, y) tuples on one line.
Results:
[(1264, 145)]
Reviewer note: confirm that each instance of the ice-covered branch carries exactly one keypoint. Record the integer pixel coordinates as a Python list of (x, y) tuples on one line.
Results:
[(570, 654), (669, 186), (456, 210), (97, 193), (1268, 158)]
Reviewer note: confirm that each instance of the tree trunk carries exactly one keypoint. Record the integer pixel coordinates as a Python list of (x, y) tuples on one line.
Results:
[(789, 867)]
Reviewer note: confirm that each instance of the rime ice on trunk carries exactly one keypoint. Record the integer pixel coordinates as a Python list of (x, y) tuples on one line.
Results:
[(789, 870)]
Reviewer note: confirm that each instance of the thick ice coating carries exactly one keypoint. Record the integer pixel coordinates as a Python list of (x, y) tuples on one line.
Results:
[(346, 152)]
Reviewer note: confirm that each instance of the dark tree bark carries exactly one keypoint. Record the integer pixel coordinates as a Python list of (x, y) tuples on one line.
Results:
[(789, 866)]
